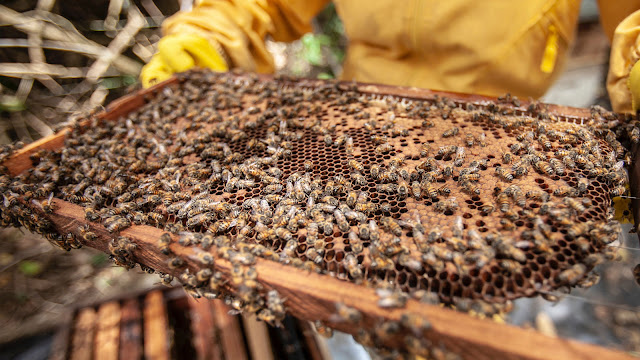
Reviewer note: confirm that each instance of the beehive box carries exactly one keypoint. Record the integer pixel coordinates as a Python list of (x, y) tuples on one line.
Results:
[(167, 324), (373, 201)]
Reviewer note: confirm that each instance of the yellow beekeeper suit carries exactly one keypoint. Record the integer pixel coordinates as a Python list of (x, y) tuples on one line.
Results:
[(488, 47)]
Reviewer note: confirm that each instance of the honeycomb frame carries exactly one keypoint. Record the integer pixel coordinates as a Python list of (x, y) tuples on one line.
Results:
[(426, 120)]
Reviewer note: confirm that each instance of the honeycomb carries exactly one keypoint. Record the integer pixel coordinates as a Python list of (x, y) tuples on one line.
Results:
[(465, 200)]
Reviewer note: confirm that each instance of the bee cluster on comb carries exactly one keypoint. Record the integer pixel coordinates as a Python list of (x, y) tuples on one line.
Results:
[(470, 204)]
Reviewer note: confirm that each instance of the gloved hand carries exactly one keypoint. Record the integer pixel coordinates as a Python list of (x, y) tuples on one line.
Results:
[(634, 86), (180, 52)]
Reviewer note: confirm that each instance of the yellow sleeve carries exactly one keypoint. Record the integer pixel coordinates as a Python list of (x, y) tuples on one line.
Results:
[(238, 28), (621, 22)]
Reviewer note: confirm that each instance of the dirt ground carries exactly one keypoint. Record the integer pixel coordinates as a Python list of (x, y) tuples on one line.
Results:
[(39, 283)]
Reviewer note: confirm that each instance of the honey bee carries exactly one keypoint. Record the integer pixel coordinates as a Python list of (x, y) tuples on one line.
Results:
[(86, 233), (460, 155), (175, 263), (323, 330), (507, 249), (374, 170), (392, 225), (583, 184), (343, 225), (383, 149), (220, 226), (431, 190), (510, 265), (340, 140), (313, 255), (636, 274), (575, 204), (543, 167), (352, 266), (415, 323), (470, 188), (539, 195), (356, 165), (352, 197), (506, 158), (544, 141), (237, 274), (205, 258), (46, 205), (634, 135), (481, 139), (203, 275), (163, 243), (359, 179), (568, 162), (349, 145), (504, 173), (469, 139), (91, 214), (565, 191), (516, 148), (475, 177), (355, 243), (388, 176), (416, 190), (573, 274), (579, 229), (619, 190), (449, 205), (446, 151), (367, 207), (345, 313), (374, 233), (166, 279), (389, 299), (275, 304), (328, 140), (403, 189), (216, 281), (425, 149), (450, 132), (591, 279)]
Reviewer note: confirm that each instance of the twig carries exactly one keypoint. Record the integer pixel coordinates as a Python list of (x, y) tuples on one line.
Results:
[(38, 125), (36, 54), (20, 127), (113, 13), (36, 71), (153, 11), (83, 49), (24, 88), (118, 45)]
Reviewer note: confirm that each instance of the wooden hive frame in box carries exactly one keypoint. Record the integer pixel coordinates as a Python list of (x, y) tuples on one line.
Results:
[(167, 323), (315, 297)]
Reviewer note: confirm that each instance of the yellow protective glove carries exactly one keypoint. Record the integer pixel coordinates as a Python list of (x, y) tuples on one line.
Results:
[(634, 86), (181, 52), (622, 205)]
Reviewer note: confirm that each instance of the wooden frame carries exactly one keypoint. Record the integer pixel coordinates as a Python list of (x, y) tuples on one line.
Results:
[(310, 296)]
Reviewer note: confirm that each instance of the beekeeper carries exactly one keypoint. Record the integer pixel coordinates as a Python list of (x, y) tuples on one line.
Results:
[(484, 47)]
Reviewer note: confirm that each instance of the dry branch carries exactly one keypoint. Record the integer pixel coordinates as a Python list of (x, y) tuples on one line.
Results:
[(53, 32), (117, 46), (37, 71)]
